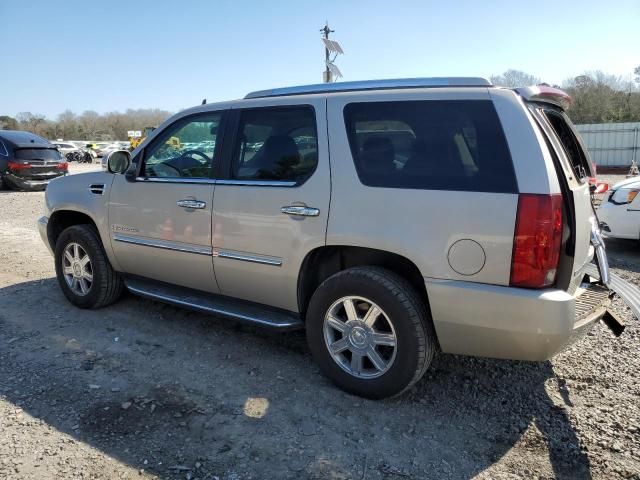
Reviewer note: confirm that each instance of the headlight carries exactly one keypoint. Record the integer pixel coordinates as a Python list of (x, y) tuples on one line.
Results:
[(623, 196)]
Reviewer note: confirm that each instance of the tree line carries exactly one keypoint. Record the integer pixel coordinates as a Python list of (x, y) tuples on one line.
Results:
[(89, 125), (597, 98)]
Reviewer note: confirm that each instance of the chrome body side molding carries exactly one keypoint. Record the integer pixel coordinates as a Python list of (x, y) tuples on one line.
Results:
[(164, 244), (248, 257), (213, 181), (257, 183)]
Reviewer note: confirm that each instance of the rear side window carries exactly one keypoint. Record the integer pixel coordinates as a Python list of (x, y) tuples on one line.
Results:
[(3, 150), (434, 145), (276, 144), (37, 154)]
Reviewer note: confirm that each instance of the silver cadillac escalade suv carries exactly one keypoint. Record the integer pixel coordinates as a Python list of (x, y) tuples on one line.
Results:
[(391, 219)]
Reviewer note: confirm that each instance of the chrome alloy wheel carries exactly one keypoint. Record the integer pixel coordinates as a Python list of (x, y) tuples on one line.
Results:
[(77, 269), (360, 337)]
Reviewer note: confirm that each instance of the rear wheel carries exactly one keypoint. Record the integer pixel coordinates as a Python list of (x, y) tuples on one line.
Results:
[(370, 332), (83, 269)]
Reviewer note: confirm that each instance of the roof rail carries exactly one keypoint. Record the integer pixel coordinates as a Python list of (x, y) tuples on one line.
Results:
[(373, 85)]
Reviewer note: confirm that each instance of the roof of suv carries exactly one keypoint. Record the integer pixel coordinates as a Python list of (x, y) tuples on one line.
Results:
[(432, 82), (20, 139)]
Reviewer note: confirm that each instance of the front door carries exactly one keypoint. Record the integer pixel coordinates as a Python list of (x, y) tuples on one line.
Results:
[(271, 208), (161, 223)]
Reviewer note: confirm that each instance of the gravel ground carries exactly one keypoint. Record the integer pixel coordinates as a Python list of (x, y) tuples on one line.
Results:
[(144, 390)]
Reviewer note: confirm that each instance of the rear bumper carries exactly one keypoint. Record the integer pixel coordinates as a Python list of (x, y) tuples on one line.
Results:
[(27, 183), (511, 323)]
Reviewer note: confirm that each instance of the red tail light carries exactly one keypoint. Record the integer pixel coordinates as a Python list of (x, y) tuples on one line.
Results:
[(17, 166), (63, 166), (536, 241)]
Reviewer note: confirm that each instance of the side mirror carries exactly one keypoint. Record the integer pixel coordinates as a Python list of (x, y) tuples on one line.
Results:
[(118, 161)]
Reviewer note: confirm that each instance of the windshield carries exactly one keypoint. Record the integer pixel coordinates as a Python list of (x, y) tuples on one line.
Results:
[(37, 154)]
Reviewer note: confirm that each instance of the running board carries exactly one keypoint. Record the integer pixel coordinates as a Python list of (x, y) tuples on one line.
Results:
[(246, 312)]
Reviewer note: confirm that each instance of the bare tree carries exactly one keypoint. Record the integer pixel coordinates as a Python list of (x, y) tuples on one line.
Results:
[(599, 98), (8, 123), (29, 121), (514, 78)]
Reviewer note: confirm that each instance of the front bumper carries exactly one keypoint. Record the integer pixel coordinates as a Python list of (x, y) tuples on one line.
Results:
[(43, 223), (511, 323)]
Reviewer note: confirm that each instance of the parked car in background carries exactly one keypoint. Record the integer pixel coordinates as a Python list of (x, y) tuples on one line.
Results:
[(65, 147), (83, 146), (460, 220), (619, 213), (28, 161), (72, 153)]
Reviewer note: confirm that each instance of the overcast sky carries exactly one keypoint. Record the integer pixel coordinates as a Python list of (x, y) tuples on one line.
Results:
[(111, 54)]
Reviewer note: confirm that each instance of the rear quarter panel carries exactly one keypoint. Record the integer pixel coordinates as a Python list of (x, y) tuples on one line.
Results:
[(420, 225)]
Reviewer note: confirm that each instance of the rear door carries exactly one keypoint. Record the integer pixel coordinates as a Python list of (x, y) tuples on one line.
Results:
[(572, 162), (271, 209)]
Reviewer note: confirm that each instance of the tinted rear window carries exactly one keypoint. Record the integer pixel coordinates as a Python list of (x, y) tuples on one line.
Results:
[(435, 145), (37, 154)]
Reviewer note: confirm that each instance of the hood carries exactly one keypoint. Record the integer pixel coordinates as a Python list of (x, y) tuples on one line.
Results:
[(633, 182)]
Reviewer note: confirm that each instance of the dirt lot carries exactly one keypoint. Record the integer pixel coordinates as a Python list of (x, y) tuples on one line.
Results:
[(144, 390)]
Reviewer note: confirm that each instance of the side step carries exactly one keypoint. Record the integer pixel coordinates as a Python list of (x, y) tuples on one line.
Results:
[(247, 312)]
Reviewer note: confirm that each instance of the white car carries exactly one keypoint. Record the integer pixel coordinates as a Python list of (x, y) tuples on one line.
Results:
[(66, 147), (619, 214)]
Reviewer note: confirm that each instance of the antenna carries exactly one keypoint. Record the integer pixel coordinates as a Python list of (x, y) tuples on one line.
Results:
[(331, 71)]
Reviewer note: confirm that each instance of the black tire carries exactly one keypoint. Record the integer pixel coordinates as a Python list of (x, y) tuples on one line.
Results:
[(415, 336), (107, 285)]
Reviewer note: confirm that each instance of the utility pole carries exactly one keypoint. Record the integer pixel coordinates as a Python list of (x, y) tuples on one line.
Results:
[(331, 71), (327, 78)]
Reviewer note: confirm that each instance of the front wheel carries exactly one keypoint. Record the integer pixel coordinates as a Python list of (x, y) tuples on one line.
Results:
[(370, 332), (83, 269)]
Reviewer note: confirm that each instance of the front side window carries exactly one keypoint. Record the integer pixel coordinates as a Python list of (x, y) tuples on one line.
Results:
[(276, 144), (435, 145), (185, 149)]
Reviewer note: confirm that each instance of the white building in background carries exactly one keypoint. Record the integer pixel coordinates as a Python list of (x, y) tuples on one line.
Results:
[(612, 144)]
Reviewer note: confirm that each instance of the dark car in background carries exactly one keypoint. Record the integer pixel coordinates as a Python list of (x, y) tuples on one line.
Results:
[(28, 161)]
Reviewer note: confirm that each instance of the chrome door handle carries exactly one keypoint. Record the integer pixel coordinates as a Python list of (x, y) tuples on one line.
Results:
[(191, 203), (300, 211)]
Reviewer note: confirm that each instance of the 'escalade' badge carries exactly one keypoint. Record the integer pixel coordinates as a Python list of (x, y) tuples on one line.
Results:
[(123, 228)]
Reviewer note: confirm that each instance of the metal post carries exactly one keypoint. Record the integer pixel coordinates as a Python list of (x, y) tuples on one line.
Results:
[(327, 73), (633, 171)]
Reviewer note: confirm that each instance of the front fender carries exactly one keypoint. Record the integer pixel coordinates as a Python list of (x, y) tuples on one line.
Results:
[(81, 193)]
